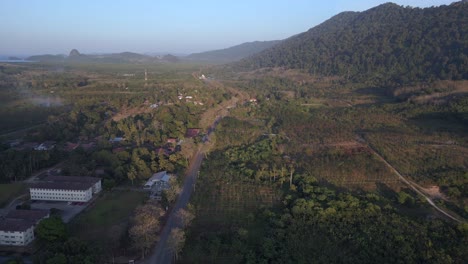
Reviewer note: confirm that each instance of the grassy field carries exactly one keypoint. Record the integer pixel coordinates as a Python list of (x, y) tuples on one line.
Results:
[(10, 191), (107, 219)]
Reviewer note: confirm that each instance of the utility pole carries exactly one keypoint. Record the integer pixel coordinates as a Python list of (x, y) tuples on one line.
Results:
[(146, 75)]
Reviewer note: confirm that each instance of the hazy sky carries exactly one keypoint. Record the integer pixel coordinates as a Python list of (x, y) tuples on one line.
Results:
[(179, 26)]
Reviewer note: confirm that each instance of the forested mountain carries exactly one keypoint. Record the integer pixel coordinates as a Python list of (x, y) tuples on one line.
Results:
[(234, 53), (387, 43)]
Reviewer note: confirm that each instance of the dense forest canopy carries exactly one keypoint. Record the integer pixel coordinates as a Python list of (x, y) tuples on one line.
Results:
[(388, 43), (234, 53)]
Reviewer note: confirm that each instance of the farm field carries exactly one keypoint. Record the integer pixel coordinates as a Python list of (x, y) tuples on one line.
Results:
[(226, 209), (10, 191), (106, 220)]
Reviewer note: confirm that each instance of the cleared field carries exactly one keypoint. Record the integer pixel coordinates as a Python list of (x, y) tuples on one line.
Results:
[(426, 160), (106, 220), (350, 166), (10, 191), (229, 203), (223, 210)]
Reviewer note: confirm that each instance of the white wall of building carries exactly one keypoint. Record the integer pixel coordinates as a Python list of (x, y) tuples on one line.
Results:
[(62, 195), (97, 187), (16, 238)]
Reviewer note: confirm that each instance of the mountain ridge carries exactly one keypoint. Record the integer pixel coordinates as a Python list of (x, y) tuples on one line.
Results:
[(233, 53), (388, 43), (122, 57)]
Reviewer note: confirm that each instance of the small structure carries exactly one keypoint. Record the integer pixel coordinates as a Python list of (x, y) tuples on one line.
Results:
[(160, 179), (172, 140), (192, 132), (17, 228), (88, 145), (65, 188), (14, 142), (69, 146), (47, 145), (118, 149), (116, 140)]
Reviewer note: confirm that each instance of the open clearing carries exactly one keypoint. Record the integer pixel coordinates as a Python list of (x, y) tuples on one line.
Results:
[(9, 191), (106, 219)]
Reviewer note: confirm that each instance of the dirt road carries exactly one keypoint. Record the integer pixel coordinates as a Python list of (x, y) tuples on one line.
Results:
[(411, 185)]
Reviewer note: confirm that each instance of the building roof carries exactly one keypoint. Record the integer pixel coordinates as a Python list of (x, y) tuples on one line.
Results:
[(166, 178), (77, 179), (69, 146), (192, 132), (66, 183), (158, 176), (29, 215), (18, 225), (171, 140), (80, 186)]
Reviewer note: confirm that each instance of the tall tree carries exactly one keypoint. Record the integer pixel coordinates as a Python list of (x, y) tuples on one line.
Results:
[(145, 225), (132, 174), (185, 216), (176, 241), (51, 229)]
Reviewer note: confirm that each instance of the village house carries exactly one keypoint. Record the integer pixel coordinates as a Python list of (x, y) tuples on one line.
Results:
[(192, 132), (69, 146), (172, 140), (116, 140), (160, 178), (47, 145)]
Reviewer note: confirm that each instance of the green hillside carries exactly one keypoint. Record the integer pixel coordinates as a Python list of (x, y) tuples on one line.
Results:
[(234, 53), (388, 43)]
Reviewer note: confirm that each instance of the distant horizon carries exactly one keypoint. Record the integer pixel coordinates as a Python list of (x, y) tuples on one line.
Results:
[(147, 27)]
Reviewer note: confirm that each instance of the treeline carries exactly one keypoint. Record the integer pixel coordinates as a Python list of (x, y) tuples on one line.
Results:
[(314, 223), (386, 44), (321, 226)]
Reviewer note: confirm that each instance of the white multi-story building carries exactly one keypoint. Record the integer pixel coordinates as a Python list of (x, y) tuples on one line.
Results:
[(17, 228), (66, 188), (16, 232)]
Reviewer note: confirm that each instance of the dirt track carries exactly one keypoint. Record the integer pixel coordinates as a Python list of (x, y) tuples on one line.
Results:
[(411, 185)]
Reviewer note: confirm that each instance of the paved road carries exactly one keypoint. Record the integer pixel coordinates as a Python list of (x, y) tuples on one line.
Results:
[(163, 254)]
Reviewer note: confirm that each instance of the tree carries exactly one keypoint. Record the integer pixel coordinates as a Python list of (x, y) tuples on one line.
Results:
[(132, 174), (176, 241), (145, 225), (58, 258), (291, 172), (51, 229), (108, 184), (171, 194), (185, 216)]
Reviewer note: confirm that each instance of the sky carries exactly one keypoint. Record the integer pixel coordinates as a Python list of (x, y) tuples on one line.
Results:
[(29, 27)]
